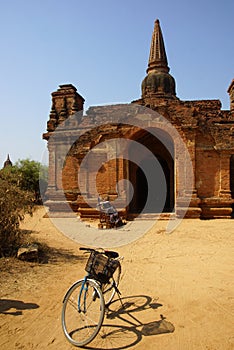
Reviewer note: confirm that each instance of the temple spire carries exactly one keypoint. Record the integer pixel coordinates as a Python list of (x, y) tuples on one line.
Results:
[(158, 83), (8, 162), (157, 57)]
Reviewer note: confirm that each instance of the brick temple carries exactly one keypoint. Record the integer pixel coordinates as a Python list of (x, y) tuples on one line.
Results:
[(206, 130)]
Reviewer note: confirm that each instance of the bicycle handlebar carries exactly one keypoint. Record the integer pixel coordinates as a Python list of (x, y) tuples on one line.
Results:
[(87, 249), (108, 253)]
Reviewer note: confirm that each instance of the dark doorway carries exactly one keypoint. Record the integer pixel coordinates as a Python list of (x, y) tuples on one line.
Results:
[(142, 192), (161, 203)]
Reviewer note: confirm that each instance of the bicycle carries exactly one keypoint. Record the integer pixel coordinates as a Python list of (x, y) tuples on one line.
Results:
[(85, 301)]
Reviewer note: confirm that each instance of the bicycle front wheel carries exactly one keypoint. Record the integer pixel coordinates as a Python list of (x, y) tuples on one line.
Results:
[(82, 312)]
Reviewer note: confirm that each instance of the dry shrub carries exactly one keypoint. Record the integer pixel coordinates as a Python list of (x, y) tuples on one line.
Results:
[(14, 204)]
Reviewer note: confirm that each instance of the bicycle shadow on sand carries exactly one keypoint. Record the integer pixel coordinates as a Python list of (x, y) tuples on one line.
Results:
[(123, 328)]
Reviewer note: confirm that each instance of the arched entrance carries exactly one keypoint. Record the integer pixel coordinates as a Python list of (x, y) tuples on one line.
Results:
[(165, 157)]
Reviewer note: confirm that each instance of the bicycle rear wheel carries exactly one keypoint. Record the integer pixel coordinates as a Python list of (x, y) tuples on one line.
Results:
[(109, 289), (82, 312)]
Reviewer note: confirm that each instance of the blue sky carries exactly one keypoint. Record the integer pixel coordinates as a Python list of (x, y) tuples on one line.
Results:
[(102, 47)]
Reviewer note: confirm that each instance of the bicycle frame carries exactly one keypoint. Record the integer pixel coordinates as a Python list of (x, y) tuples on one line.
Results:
[(85, 289), (82, 279)]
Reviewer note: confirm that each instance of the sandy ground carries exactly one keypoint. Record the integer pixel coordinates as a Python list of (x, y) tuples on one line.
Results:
[(176, 288)]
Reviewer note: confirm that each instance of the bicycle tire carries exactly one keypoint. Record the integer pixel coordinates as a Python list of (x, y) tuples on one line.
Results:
[(82, 323), (108, 289)]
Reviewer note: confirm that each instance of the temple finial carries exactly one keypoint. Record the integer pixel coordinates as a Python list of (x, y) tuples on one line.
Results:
[(157, 57)]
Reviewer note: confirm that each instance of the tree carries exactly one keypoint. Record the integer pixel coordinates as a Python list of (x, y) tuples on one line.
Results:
[(32, 177)]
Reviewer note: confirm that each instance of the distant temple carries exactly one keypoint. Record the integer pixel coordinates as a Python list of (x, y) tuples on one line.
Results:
[(7, 162), (207, 131)]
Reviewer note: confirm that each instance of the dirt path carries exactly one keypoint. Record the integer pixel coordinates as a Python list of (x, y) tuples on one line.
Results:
[(176, 288)]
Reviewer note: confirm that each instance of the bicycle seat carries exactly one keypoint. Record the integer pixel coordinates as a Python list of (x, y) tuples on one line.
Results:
[(111, 254)]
